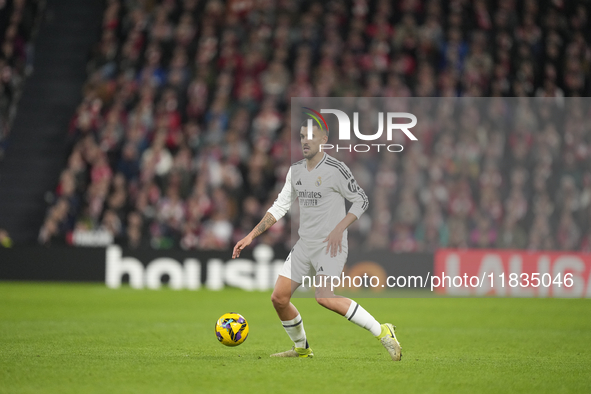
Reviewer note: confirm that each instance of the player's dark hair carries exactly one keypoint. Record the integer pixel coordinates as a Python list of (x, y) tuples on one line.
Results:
[(314, 124)]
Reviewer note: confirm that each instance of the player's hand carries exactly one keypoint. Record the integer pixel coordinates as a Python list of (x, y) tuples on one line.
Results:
[(334, 240), (243, 243)]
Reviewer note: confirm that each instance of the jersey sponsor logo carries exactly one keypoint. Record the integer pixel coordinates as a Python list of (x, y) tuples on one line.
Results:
[(307, 194), (318, 181), (308, 202), (308, 198)]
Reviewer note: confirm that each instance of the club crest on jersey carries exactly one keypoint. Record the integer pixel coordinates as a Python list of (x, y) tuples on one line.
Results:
[(318, 181)]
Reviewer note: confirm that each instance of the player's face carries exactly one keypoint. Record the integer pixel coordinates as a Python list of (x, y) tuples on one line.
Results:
[(310, 147)]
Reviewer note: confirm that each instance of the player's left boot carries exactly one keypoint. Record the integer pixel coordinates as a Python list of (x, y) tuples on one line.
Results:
[(296, 352), (388, 339)]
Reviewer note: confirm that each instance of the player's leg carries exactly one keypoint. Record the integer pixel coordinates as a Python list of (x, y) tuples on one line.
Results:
[(333, 267), (290, 317), (281, 298), (357, 314)]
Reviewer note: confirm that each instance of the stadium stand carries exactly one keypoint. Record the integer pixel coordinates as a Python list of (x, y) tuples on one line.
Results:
[(182, 138), (19, 20)]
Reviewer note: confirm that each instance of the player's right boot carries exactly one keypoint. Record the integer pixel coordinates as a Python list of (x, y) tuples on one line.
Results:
[(388, 339), (296, 352)]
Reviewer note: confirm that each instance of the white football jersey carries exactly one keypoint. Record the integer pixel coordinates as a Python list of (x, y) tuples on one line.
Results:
[(321, 193)]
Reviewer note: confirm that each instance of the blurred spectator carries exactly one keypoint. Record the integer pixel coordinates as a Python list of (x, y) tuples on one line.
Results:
[(403, 239), (483, 235), (511, 235), (432, 232)]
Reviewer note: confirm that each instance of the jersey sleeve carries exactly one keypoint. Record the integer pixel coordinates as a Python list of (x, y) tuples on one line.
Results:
[(284, 200), (349, 189)]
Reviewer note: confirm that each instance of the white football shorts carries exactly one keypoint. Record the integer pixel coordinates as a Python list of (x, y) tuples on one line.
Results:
[(304, 261)]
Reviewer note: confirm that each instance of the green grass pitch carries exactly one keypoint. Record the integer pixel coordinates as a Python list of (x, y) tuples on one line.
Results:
[(77, 338)]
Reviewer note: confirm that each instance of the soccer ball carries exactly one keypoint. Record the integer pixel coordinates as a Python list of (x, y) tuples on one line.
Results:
[(231, 329)]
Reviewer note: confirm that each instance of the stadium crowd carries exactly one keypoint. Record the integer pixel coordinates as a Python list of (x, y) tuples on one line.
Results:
[(19, 20), (183, 136)]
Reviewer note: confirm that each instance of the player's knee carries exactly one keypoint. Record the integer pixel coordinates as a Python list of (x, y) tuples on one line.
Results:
[(279, 301)]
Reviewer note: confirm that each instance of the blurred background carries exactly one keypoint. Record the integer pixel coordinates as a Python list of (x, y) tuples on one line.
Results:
[(165, 124)]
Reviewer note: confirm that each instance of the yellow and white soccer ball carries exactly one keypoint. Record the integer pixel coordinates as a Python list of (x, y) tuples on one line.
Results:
[(231, 329)]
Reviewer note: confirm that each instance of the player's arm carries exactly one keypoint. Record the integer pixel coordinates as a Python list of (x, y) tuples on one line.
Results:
[(276, 212), (349, 189), (267, 221)]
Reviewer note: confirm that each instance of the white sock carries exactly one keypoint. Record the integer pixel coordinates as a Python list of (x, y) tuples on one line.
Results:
[(295, 330), (362, 318)]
